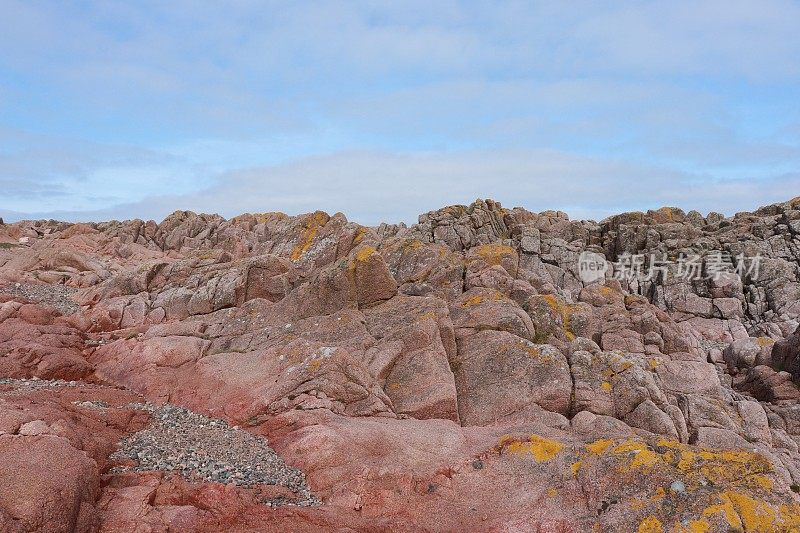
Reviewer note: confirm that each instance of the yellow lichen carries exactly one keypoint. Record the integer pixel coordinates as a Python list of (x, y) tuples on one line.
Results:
[(743, 512), (725, 507), (575, 467), (651, 524), (764, 341), (540, 448), (263, 218), (606, 291), (697, 526), (413, 244), (475, 300), (429, 315), (606, 386), (311, 226), (790, 516), (494, 254), (643, 457), (565, 311), (495, 296), (365, 253), (669, 212), (599, 446)]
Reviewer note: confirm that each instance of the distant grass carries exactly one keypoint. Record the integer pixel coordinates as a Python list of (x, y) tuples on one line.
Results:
[(7, 245)]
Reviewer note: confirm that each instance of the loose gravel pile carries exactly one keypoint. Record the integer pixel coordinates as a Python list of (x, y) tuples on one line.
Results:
[(36, 383), (206, 449), (57, 296)]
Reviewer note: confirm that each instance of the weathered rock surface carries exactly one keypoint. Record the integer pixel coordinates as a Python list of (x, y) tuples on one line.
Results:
[(457, 374)]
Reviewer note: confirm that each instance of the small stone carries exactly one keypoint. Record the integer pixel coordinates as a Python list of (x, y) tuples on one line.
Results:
[(678, 487), (35, 427)]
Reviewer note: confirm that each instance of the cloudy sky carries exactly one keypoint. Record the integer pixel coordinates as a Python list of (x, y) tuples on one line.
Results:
[(384, 110)]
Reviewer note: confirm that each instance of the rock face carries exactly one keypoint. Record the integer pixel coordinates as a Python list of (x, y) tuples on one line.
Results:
[(459, 374)]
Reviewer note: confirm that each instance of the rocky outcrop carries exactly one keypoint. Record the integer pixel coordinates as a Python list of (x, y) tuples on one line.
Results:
[(461, 373)]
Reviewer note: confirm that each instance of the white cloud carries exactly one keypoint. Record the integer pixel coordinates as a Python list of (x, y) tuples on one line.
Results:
[(371, 187), (594, 107)]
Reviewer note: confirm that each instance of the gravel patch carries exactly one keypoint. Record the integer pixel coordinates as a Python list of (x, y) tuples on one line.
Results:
[(207, 449), (37, 384), (97, 405), (56, 296)]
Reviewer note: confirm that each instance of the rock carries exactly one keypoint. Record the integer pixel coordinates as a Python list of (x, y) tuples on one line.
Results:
[(728, 307), (755, 422), (649, 417), (33, 428), (720, 438), (764, 384), (416, 374), (742, 354), (501, 377), (29, 476), (688, 377), (418, 377), (480, 309), (786, 356)]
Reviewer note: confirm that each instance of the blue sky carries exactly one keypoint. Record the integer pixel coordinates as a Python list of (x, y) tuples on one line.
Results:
[(384, 110)]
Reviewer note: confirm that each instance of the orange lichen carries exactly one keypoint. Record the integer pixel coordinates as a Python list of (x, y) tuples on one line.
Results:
[(790, 516), (359, 236), (494, 254), (651, 524), (413, 244), (693, 526), (311, 227), (495, 296), (606, 291), (740, 475), (365, 253), (475, 300), (764, 341), (540, 448), (263, 218), (741, 511), (565, 311), (429, 315), (669, 212), (721, 467), (643, 457), (599, 446)]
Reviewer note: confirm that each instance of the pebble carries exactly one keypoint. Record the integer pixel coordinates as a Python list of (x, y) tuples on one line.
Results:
[(56, 296), (678, 487), (205, 449)]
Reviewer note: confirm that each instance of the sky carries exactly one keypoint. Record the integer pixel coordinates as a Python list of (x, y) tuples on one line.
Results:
[(385, 110)]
